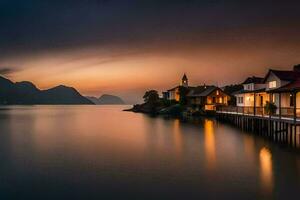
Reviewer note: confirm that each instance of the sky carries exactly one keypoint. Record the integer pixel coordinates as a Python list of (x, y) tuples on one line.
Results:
[(125, 47)]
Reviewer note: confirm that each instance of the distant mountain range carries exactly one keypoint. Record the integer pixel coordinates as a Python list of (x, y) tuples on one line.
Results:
[(26, 93), (107, 99)]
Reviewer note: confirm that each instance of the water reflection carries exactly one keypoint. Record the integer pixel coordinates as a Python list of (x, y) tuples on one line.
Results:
[(209, 144), (266, 170), (177, 137), (83, 151), (249, 147)]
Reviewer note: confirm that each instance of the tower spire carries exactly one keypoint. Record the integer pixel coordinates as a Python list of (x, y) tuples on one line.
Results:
[(184, 81)]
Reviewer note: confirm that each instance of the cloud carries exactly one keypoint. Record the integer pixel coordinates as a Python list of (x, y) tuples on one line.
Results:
[(6, 70), (32, 26)]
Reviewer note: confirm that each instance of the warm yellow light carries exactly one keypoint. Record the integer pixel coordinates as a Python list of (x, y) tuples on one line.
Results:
[(220, 100), (265, 157), (210, 107), (210, 144), (209, 100)]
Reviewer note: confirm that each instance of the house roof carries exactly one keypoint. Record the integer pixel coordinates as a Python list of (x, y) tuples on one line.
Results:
[(202, 91), (284, 75), (179, 87), (173, 88), (250, 91), (295, 85), (184, 77), (253, 79)]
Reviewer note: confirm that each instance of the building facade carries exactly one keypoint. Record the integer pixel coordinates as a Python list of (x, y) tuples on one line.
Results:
[(278, 87), (284, 87), (207, 98), (174, 93), (253, 94)]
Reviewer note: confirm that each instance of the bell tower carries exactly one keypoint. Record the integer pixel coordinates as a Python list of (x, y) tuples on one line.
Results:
[(185, 81)]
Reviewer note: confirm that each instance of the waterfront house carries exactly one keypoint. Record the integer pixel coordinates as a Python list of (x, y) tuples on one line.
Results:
[(207, 98), (174, 93), (284, 87), (252, 95), (280, 87)]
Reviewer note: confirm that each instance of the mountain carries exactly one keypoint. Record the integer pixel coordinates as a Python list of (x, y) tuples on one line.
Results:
[(95, 100), (107, 99), (110, 99), (26, 93), (67, 95), (6, 89)]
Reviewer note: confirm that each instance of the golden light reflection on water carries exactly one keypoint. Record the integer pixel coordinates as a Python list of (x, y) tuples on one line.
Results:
[(266, 170), (249, 147), (209, 144), (177, 136)]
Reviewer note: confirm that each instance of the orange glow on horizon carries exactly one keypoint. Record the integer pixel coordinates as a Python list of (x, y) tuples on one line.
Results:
[(94, 70)]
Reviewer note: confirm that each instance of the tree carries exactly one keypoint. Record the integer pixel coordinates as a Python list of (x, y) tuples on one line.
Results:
[(151, 97), (270, 108)]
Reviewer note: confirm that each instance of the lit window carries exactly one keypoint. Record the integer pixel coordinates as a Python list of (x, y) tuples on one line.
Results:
[(272, 84), (240, 100), (220, 100), (218, 92)]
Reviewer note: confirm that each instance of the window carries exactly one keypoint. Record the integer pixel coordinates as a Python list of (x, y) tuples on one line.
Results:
[(248, 87), (220, 100), (240, 100), (272, 84)]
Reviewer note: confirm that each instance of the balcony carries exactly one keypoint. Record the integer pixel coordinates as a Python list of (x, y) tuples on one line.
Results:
[(285, 113)]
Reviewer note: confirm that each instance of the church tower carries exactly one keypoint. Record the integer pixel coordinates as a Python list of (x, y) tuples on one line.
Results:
[(185, 81)]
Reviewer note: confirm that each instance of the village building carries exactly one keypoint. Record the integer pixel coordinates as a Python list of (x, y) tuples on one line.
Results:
[(207, 98), (280, 87), (174, 93), (252, 95), (284, 87)]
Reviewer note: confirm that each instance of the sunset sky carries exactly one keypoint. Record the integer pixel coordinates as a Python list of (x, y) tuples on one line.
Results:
[(125, 47)]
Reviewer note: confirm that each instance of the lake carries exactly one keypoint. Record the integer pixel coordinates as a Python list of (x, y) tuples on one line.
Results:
[(100, 152)]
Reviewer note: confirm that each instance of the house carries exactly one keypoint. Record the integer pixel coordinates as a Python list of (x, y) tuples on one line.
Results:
[(207, 97), (253, 94), (284, 87), (174, 93), (280, 87)]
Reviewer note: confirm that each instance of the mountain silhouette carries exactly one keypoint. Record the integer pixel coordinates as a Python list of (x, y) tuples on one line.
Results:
[(107, 99), (26, 93)]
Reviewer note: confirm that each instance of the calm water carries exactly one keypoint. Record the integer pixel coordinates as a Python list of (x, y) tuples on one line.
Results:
[(100, 152)]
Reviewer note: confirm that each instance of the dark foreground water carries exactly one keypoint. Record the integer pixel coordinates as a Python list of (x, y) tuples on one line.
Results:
[(94, 152)]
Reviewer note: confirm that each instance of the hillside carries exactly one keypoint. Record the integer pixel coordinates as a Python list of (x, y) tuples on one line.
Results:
[(107, 99), (26, 93)]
